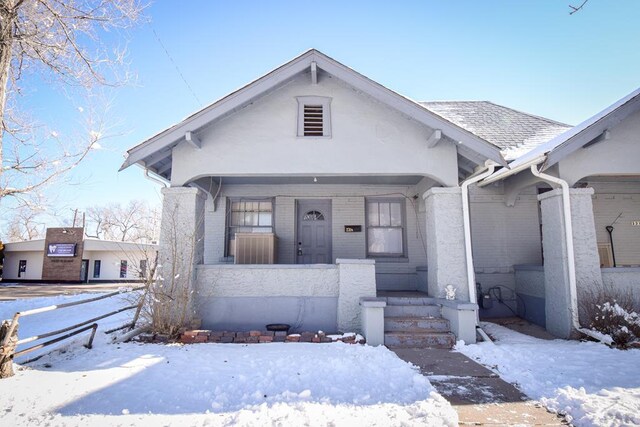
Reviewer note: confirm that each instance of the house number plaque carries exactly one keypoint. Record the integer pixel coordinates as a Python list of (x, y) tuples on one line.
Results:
[(636, 222), (352, 228)]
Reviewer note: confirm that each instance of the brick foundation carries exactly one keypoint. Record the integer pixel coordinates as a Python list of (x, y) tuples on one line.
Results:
[(252, 337)]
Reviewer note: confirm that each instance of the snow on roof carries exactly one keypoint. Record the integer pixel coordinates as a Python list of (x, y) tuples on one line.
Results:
[(513, 131)]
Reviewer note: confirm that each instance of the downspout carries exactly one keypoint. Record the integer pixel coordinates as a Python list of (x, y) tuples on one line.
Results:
[(571, 260), (154, 179), (466, 219)]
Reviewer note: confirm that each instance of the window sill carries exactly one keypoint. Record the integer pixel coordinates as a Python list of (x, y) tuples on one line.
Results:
[(390, 259), (313, 137)]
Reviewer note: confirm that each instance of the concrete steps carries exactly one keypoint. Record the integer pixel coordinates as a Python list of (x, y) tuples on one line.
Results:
[(416, 322), (419, 339), (412, 310)]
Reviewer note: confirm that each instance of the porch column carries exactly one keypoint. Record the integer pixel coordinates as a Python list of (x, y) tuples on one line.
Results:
[(446, 257), (181, 249), (558, 308), (356, 279)]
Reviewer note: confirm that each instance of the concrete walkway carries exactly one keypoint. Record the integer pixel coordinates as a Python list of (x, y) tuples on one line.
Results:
[(479, 395), (13, 291)]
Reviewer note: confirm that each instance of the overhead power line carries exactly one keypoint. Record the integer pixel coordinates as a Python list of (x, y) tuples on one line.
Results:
[(175, 64)]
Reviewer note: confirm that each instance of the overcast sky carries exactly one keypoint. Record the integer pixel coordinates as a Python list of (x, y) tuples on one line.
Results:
[(528, 55)]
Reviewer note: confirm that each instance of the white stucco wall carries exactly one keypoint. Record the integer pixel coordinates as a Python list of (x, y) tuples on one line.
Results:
[(616, 156), (336, 289), (267, 280), (624, 281), (12, 261), (110, 264), (503, 236), (348, 208), (530, 280), (367, 138), (357, 280), (446, 242)]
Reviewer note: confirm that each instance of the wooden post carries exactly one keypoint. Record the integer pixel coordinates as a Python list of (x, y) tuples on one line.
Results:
[(8, 349)]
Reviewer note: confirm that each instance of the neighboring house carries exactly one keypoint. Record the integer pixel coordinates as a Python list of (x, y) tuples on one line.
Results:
[(597, 161), (313, 190), (66, 256)]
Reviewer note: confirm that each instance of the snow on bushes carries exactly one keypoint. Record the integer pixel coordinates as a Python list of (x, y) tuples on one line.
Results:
[(611, 313), (614, 321)]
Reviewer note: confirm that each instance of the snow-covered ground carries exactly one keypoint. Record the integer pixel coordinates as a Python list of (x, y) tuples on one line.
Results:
[(209, 384), (590, 382)]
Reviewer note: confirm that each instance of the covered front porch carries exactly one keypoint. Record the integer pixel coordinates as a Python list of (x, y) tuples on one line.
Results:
[(605, 253), (373, 234)]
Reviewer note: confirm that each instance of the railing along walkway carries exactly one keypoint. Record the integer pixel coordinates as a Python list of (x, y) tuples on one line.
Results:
[(9, 336)]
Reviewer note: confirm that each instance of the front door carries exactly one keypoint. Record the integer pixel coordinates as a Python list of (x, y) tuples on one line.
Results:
[(84, 271), (314, 232)]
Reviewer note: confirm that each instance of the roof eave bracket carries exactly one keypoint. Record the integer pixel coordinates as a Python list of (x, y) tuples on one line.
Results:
[(314, 73), (434, 138), (192, 139)]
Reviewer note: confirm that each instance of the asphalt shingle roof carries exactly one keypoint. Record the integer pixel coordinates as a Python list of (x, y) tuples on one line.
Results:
[(514, 132)]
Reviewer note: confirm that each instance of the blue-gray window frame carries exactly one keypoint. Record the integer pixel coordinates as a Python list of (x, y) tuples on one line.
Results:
[(403, 217), (227, 220)]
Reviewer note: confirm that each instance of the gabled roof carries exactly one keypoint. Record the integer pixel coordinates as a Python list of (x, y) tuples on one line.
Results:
[(513, 131), (155, 152), (577, 137)]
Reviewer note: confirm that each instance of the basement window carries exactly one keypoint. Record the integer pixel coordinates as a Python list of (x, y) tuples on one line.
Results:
[(314, 116)]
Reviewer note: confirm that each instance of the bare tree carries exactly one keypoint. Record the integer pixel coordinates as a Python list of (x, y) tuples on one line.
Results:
[(59, 41), (26, 225), (575, 9), (135, 222)]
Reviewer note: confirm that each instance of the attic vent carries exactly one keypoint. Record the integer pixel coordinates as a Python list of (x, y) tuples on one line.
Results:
[(313, 120)]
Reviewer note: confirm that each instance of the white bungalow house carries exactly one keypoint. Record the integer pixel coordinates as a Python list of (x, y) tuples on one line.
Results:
[(316, 197)]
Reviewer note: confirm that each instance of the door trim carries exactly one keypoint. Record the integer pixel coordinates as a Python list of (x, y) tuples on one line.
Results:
[(295, 226)]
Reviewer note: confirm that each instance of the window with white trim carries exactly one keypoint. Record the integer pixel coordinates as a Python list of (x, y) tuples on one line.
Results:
[(314, 116), (248, 216), (385, 228)]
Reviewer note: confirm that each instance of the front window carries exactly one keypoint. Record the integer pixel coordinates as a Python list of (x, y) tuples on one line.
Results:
[(385, 228), (248, 216)]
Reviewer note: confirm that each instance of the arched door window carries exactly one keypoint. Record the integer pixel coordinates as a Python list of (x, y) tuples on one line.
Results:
[(313, 216)]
